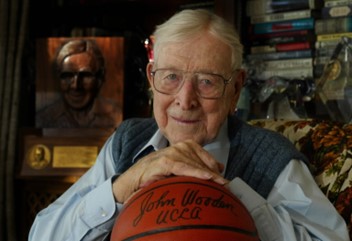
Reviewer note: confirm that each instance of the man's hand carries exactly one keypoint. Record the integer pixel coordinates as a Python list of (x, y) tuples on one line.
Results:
[(182, 159)]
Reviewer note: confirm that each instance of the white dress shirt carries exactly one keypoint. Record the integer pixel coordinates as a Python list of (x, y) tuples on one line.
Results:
[(295, 210)]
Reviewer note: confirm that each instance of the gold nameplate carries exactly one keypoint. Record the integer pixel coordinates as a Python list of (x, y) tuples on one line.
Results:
[(74, 156), (56, 152)]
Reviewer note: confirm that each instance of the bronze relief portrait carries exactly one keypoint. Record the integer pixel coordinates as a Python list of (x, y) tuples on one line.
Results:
[(79, 82)]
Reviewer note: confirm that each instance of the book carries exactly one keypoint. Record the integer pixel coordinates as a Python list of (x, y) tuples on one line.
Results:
[(281, 26), (333, 25), (261, 7), (334, 3), (326, 44), (282, 16), (306, 53), (332, 36), (289, 73), (336, 11), (281, 47), (282, 37), (287, 63)]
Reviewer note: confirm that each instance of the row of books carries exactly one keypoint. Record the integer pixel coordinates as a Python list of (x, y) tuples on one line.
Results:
[(277, 10), (293, 39), (328, 19), (310, 30), (282, 38)]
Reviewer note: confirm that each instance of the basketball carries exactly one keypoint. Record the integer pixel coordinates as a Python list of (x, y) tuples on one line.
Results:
[(184, 208)]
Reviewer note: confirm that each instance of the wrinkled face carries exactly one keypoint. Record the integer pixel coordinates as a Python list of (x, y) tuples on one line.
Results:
[(78, 80), (185, 115)]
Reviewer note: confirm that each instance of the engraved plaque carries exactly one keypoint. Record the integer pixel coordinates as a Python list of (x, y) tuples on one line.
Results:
[(74, 156), (53, 152)]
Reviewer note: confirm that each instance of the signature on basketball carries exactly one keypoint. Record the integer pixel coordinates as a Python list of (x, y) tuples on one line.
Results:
[(189, 207)]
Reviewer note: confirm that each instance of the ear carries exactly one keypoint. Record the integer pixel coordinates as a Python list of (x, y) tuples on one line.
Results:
[(238, 83), (149, 70)]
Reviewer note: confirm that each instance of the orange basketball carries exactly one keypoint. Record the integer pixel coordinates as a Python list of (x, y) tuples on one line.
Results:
[(184, 208)]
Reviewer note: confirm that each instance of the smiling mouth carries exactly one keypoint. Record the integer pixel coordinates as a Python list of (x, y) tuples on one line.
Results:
[(75, 94), (185, 121)]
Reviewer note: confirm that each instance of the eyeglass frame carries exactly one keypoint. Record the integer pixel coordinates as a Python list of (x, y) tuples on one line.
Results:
[(226, 81)]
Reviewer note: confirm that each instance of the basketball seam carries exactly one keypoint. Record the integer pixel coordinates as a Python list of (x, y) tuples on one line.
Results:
[(184, 227)]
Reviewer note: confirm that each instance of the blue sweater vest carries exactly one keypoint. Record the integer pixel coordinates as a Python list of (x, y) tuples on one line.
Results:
[(256, 155)]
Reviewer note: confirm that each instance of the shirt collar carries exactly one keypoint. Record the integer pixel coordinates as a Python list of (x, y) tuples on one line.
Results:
[(219, 148), (158, 141)]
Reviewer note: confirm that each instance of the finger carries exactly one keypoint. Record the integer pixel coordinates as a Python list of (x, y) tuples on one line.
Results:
[(196, 152), (209, 160), (183, 169), (221, 167)]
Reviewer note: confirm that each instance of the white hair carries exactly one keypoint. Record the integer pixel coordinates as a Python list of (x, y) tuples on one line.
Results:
[(188, 23)]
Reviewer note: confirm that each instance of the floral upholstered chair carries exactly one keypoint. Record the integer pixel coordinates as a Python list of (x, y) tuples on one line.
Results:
[(328, 146)]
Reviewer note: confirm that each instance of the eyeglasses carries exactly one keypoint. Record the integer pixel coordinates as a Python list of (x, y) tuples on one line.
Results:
[(208, 85), (85, 76)]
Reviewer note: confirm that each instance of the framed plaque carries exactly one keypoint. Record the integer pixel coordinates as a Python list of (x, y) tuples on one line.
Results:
[(53, 152), (79, 103)]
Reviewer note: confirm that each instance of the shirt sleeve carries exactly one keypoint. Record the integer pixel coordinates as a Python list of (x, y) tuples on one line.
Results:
[(86, 211), (295, 209)]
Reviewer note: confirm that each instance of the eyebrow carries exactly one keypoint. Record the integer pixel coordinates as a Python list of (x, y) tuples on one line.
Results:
[(201, 71)]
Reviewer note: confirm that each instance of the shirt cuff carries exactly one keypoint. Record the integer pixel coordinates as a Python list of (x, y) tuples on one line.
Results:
[(264, 216), (99, 205), (246, 194)]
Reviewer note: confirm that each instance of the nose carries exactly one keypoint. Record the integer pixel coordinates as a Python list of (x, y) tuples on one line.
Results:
[(187, 97), (76, 81)]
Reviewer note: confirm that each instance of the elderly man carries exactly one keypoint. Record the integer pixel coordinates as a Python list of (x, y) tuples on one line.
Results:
[(196, 81)]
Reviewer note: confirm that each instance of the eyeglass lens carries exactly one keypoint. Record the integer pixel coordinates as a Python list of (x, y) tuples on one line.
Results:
[(207, 85)]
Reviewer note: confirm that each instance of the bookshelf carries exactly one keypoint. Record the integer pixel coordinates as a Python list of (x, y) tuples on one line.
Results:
[(280, 58), (288, 45)]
